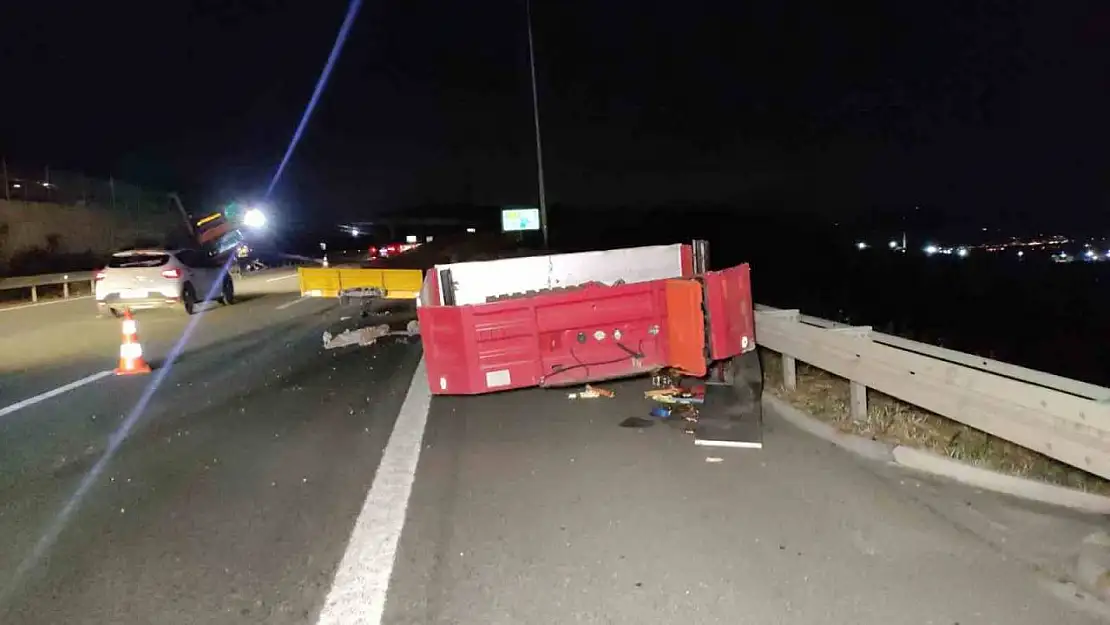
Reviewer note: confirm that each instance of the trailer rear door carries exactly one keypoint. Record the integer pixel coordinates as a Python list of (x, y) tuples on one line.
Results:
[(685, 327), (729, 308)]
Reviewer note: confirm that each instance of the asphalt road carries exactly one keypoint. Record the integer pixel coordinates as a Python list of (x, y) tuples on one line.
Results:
[(233, 497), (532, 508), (263, 464)]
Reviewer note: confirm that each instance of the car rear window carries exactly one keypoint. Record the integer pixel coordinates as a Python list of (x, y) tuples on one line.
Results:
[(138, 260)]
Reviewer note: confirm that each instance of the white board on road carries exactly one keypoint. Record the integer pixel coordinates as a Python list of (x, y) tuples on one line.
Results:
[(291, 303), (30, 401), (46, 303), (361, 582)]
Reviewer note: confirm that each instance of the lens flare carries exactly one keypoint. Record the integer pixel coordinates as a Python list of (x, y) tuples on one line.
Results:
[(336, 48), (58, 523)]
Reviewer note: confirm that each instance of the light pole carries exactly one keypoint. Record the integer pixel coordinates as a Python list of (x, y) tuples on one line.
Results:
[(536, 121)]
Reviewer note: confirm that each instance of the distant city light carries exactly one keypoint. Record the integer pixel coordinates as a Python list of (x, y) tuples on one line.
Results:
[(931, 249), (354, 232), (1021, 253), (471, 230), (410, 238), (17, 186), (962, 252), (892, 244), (1089, 254)]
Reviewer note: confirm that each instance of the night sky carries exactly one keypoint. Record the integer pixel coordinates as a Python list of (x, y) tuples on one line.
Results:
[(976, 109)]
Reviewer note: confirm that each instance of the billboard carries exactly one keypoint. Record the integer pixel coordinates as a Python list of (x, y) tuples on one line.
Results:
[(520, 219)]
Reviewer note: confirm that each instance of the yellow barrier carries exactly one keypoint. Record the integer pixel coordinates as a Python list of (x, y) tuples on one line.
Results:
[(326, 282)]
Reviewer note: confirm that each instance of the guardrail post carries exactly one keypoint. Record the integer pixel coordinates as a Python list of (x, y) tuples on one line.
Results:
[(65, 289), (858, 401), (857, 398), (789, 373), (34, 294)]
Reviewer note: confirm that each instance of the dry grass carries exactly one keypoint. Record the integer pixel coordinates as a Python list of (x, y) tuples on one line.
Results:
[(825, 396)]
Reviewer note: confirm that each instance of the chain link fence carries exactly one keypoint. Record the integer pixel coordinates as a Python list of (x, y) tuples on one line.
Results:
[(71, 188), (53, 221)]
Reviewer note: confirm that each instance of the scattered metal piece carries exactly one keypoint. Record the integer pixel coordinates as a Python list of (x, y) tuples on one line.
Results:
[(367, 335), (592, 392)]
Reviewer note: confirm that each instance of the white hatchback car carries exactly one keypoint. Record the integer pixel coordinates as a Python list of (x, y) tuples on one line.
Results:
[(156, 278)]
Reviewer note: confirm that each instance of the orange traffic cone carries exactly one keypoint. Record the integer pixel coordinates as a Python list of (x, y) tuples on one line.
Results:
[(130, 351)]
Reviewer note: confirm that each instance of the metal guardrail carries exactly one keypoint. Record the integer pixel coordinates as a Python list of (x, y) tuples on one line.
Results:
[(1059, 417), (34, 282)]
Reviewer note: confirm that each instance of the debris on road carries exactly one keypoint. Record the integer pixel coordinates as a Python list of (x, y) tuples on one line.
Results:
[(666, 378), (362, 337), (367, 335), (636, 422), (677, 395), (688, 414), (714, 459), (592, 392)]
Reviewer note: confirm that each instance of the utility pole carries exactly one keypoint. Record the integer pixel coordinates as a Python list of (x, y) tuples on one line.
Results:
[(7, 185), (536, 120)]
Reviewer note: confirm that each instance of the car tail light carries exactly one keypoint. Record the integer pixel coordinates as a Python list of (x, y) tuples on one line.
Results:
[(100, 275), (172, 274)]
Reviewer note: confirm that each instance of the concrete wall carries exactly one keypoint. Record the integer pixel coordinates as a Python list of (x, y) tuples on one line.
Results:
[(75, 229)]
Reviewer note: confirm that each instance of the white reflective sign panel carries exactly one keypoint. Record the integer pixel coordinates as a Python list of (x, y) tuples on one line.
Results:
[(518, 219)]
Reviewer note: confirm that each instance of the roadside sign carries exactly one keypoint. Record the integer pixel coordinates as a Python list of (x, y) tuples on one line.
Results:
[(520, 219)]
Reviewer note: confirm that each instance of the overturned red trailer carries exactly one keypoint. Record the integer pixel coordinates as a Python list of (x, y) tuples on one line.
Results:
[(567, 319)]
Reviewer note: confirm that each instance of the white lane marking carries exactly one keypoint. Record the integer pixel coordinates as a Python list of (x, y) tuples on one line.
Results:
[(49, 303), (292, 275), (30, 401), (361, 582), (296, 301)]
